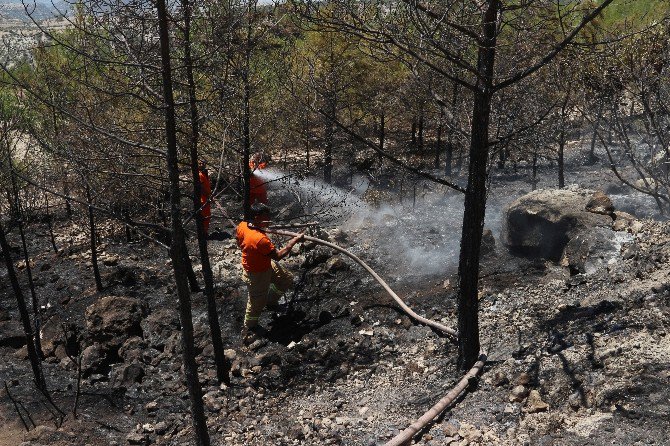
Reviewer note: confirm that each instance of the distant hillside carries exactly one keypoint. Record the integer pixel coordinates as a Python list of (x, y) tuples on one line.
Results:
[(636, 11), (14, 11)]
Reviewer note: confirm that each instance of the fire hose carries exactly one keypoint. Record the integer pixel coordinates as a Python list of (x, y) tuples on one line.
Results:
[(406, 435)]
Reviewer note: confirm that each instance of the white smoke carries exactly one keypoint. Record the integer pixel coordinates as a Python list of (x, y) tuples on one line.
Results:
[(415, 238)]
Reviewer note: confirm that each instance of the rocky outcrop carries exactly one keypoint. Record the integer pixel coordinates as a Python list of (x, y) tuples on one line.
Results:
[(11, 335), (541, 223), (113, 319), (593, 249), (110, 322)]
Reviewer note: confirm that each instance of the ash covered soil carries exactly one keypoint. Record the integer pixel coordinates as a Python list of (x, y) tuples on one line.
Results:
[(572, 359)]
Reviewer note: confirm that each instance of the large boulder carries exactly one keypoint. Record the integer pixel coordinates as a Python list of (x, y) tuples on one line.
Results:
[(159, 326), (112, 320), (11, 335), (593, 249), (541, 223)]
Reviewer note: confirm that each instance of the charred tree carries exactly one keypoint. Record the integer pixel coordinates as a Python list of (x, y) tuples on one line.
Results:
[(438, 146), (50, 224), (246, 150), (475, 194), (93, 244), (38, 374), (177, 244), (222, 368), (382, 137)]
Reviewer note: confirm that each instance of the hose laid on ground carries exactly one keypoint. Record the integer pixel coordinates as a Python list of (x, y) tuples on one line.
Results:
[(406, 435), (376, 276)]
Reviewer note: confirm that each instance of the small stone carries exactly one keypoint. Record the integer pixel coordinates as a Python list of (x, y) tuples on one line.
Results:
[(136, 438), (523, 379), (151, 406), (363, 410), (161, 427), (518, 394), (230, 354), (451, 429), (535, 403), (499, 379)]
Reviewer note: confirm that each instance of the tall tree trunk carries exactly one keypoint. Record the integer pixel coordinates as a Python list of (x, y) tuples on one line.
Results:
[(246, 149), (594, 136), (50, 223), (38, 374), (438, 146), (178, 238), (534, 180), (330, 138), (475, 196), (306, 133), (561, 141), (413, 132), (18, 209), (33, 294), (420, 131), (561, 164), (94, 248), (382, 137), (222, 367)]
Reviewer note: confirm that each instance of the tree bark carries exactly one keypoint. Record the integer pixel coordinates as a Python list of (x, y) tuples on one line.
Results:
[(178, 238), (592, 152), (475, 195), (438, 146), (38, 374), (222, 368), (94, 249), (18, 209), (382, 137), (50, 223), (420, 132), (246, 150)]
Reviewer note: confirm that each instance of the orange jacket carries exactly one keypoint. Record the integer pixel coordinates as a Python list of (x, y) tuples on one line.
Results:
[(256, 248), (205, 187), (257, 190)]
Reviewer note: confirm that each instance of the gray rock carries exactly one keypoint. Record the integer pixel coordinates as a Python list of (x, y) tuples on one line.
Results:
[(542, 222), (535, 403), (112, 320), (518, 394), (127, 374), (94, 360), (593, 249), (11, 335)]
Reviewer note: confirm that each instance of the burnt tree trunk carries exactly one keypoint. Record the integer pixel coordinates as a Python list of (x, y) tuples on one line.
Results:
[(222, 368), (50, 223), (534, 180), (330, 137), (382, 137), (438, 146), (94, 248), (592, 151), (420, 132), (177, 254), (246, 149), (18, 209), (475, 195), (413, 141), (38, 374), (33, 294)]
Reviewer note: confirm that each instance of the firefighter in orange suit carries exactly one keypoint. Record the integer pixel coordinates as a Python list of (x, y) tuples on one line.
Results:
[(258, 193)]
